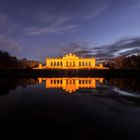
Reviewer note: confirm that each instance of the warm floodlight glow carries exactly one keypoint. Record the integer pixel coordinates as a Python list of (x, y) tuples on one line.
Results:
[(70, 84), (71, 61)]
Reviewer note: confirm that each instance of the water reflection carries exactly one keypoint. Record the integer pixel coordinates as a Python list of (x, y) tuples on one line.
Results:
[(6, 85), (101, 86), (98, 105), (128, 84), (70, 84)]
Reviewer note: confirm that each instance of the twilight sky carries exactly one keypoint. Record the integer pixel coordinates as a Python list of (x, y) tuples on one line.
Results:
[(38, 28)]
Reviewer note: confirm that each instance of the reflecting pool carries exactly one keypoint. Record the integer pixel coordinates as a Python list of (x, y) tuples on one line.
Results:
[(71, 107)]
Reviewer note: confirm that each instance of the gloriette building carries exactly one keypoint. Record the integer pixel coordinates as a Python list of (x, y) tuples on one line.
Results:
[(70, 61)]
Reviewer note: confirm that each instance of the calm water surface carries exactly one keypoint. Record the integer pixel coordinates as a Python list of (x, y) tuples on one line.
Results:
[(73, 108)]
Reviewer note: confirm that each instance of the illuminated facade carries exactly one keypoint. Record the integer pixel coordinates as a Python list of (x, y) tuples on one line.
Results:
[(70, 84), (70, 61)]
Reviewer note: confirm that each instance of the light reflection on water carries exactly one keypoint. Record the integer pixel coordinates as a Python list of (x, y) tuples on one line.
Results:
[(70, 84), (118, 88), (99, 104)]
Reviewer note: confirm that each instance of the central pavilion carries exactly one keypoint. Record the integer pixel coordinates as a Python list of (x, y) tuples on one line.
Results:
[(70, 61)]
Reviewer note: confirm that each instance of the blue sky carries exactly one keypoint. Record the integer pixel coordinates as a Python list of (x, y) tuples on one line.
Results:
[(38, 28)]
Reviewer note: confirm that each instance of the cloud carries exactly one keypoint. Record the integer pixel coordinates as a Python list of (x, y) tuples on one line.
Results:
[(96, 11), (61, 20), (3, 19), (80, 49), (54, 30), (67, 17), (10, 46), (58, 26), (123, 47), (131, 13)]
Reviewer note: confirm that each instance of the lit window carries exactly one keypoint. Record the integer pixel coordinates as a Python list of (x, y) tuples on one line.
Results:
[(89, 81), (67, 63), (66, 82), (89, 63)]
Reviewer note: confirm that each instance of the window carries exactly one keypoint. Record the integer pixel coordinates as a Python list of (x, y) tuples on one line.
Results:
[(89, 63), (79, 63), (73, 63), (67, 63), (57, 63), (89, 81), (61, 63), (66, 82), (54, 63), (82, 63)]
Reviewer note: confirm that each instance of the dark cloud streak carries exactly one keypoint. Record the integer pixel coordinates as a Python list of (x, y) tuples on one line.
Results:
[(123, 47)]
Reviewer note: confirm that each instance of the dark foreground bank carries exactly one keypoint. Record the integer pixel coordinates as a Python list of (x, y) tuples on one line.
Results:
[(107, 73)]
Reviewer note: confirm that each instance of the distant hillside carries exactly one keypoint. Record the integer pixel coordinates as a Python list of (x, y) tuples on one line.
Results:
[(11, 62)]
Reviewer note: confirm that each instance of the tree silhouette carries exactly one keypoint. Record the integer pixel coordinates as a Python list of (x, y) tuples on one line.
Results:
[(11, 62), (132, 62)]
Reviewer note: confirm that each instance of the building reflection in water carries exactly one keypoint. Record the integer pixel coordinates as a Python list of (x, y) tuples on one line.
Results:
[(70, 84)]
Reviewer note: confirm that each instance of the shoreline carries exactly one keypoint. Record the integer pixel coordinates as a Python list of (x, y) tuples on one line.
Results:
[(106, 73)]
